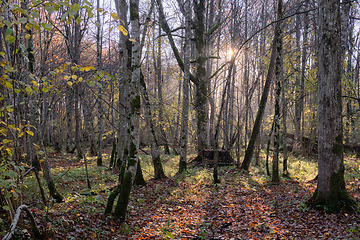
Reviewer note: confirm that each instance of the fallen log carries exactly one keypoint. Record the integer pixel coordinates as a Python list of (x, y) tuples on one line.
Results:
[(206, 158)]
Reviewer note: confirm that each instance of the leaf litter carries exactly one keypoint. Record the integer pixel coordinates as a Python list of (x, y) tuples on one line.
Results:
[(242, 206)]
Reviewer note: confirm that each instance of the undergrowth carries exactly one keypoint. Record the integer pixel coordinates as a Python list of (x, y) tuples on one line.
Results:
[(193, 186)]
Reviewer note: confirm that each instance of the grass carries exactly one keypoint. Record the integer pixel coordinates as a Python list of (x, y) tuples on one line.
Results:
[(191, 188)]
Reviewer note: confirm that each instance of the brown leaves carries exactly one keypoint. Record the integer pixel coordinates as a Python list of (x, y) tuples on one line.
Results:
[(241, 207)]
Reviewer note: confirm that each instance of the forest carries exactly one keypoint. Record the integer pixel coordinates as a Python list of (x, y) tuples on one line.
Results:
[(186, 119)]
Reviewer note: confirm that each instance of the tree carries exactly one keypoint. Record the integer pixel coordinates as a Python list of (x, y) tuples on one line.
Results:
[(330, 194), (186, 83), (134, 115), (256, 128), (279, 76), (155, 148)]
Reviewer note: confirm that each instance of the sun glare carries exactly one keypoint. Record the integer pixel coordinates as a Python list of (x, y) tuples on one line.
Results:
[(230, 53)]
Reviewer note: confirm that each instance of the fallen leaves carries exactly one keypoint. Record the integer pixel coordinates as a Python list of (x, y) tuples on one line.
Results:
[(243, 206)]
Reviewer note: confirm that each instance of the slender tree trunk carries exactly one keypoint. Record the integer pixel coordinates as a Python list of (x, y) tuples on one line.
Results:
[(158, 71), (284, 131), (278, 76), (256, 129), (223, 100), (124, 57), (155, 148), (99, 66), (186, 83)]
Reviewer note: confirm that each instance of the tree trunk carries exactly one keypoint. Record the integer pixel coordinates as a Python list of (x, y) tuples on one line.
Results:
[(158, 72), (256, 129), (155, 148), (99, 66), (135, 105), (186, 83), (278, 76), (124, 58), (201, 93), (330, 194)]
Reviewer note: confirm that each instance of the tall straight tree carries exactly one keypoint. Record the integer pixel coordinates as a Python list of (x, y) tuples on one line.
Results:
[(330, 193), (98, 60), (134, 115), (278, 75), (186, 84)]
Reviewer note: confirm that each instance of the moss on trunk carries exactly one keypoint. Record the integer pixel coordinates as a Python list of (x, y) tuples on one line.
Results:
[(123, 201), (54, 193), (111, 199), (139, 177), (182, 167), (338, 199), (159, 172)]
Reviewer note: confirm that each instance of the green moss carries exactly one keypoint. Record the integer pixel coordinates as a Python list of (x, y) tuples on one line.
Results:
[(135, 103), (54, 193), (338, 147), (139, 177), (111, 199), (337, 200), (134, 11), (123, 201), (132, 154)]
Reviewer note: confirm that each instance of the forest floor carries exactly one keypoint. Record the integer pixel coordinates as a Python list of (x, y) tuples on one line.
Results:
[(242, 206)]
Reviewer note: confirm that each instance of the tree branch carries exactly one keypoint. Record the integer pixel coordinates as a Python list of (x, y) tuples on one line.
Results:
[(9, 235)]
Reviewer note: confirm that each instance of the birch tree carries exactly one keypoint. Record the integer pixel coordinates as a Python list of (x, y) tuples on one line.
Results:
[(134, 114)]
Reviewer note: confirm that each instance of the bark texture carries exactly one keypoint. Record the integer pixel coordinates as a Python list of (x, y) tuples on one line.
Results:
[(331, 194)]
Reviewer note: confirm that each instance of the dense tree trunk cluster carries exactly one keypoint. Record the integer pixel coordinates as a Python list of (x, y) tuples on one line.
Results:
[(205, 79)]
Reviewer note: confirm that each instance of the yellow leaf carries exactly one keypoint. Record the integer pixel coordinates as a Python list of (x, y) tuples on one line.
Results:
[(132, 40), (115, 16), (123, 30), (94, 235), (28, 26), (5, 141), (8, 85), (35, 83), (9, 151), (74, 77), (30, 133), (69, 83)]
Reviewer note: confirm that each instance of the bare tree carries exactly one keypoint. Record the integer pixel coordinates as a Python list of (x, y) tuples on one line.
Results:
[(330, 193)]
